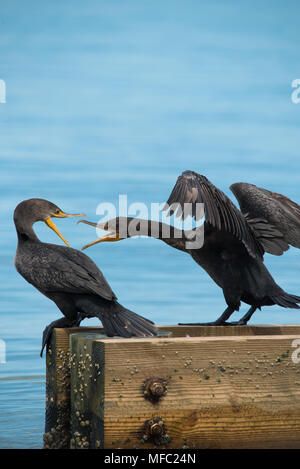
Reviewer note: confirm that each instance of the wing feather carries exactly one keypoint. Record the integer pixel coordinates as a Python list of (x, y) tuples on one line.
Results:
[(61, 269), (274, 218), (220, 212)]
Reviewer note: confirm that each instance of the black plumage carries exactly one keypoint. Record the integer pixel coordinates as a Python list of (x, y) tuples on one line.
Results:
[(69, 277), (234, 240)]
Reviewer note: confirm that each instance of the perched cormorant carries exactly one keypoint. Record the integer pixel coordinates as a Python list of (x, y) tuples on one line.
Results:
[(234, 240), (69, 277)]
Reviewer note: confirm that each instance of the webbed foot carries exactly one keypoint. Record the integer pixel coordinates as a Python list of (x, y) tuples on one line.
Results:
[(213, 323), (221, 321)]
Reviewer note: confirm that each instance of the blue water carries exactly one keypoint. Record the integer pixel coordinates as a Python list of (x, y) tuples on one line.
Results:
[(112, 97)]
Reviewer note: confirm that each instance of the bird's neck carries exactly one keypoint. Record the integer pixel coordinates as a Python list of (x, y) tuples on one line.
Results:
[(155, 229), (26, 233)]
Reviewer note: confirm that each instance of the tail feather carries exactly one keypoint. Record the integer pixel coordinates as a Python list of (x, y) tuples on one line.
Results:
[(138, 325), (286, 300), (125, 323), (113, 325), (107, 324), (116, 320)]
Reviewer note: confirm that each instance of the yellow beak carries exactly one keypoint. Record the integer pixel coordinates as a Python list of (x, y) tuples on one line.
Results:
[(61, 214), (110, 237), (113, 236)]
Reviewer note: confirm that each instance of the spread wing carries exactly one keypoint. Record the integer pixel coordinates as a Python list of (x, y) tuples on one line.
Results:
[(191, 189), (274, 218), (57, 268)]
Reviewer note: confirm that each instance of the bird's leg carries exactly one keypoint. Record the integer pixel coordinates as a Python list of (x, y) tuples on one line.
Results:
[(63, 322), (243, 321), (221, 321)]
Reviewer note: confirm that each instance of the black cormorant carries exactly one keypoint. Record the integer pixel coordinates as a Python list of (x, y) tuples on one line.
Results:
[(69, 277), (234, 240)]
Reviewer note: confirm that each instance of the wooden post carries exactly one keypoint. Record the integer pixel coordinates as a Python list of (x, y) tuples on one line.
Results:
[(203, 387), (57, 421), (82, 373)]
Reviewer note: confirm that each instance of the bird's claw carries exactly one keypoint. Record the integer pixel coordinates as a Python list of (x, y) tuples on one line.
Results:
[(63, 322), (46, 337), (237, 323), (215, 323)]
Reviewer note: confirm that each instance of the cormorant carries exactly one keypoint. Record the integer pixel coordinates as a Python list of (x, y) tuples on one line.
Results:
[(234, 240), (69, 277)]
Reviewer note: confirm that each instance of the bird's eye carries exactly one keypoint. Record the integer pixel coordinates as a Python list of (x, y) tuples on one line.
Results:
[(57, 211)]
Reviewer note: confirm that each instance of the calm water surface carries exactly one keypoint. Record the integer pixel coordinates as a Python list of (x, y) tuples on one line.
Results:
[(108, 98)]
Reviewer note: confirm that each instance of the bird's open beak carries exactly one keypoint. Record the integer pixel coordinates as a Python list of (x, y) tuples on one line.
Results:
[(61, 214), (113, 236)]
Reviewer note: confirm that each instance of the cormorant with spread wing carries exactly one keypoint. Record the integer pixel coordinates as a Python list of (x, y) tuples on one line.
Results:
[(234, 240), (69, 277)]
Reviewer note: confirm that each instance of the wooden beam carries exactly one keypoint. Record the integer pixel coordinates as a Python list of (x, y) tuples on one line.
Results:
[(221, 331), (227, 387)]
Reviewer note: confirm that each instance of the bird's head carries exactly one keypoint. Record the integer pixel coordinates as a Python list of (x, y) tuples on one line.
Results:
[(32, 210)]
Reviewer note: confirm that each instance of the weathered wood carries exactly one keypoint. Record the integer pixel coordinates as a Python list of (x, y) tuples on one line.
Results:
[(227, 392), (82, 373), (57, 421), (228, 387), (58, 391), (221, 331)]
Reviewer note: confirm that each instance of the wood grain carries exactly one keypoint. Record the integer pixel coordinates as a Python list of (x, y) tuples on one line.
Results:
[(229, 392), (228, 387), (57, 419)]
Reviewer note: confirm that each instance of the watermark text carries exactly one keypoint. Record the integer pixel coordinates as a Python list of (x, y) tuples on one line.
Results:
[(296, 353), (2, 92), (295, 96), (135, 220), (2, 351)]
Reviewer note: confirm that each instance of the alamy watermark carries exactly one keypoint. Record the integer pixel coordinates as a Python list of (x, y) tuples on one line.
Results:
[(2, 351), (296, 353), (135, 220), (295, 96), (2, 92)]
